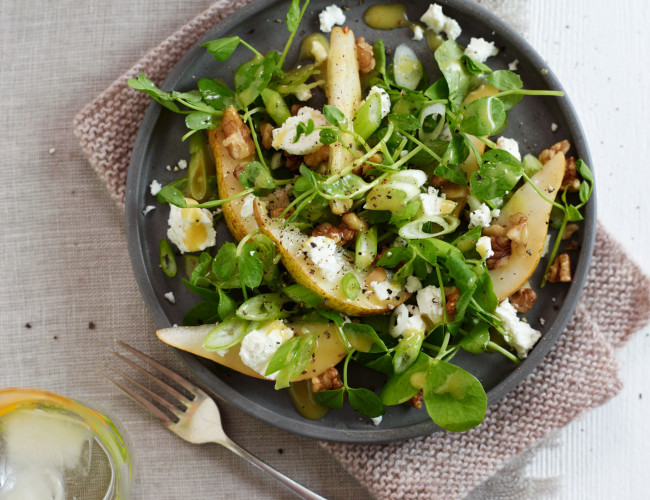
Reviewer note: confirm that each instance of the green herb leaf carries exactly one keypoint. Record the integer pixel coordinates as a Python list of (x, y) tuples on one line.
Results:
[(477, 338), (215, 93), (363, 338), (505, 80), (302, 295), (256, 176), (170, 194), (402, 387), (331, 399), (222, 48), (404, 121), (143, 84), (498, 175), (459, 80), (484, 116), (475, 67), (455, 399), (250, 267), (334, 116), (366, 402), (203, 313), (199, 120), (254, 76), (227, 305), (439, 90), (225, 262), (293, 16)]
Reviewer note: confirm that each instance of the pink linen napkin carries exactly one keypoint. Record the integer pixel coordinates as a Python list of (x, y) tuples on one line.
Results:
[(578, 374)]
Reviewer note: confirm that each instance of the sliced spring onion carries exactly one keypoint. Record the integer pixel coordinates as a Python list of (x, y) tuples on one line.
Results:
[(350, 286), (167, 259)]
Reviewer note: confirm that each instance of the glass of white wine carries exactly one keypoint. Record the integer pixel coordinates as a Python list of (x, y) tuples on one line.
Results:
[(56, 448)]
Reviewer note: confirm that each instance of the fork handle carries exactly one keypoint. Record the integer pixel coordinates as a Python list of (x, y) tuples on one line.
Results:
[(298, 489)]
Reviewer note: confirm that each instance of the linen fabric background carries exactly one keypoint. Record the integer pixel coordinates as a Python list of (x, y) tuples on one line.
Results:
[(68, 291)]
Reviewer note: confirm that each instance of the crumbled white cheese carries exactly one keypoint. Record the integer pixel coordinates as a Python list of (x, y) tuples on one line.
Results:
[(376, 420), (480, 49), (385, 100), (429, 301), (547, 244), (452, 29), (191, 229), (329, 17), (518, 334), (418, 32), (182, 164), (168, 168), (52, 151), (406, 320), (324, 253), (432, 202), (509, 145), (436, 21), (413, 284), (155, 187), (434, 18), (258, 346), (284, 136), (384, 290), (170, 297), (554, 127), (303, 95), (513, 65), (482, 216), (148, 209), (484, 247), (247, 206)]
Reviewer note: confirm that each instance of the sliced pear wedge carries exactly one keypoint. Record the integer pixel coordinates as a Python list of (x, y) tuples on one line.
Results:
[(229, 185), (329, 349), (514, 272), (289, 241)]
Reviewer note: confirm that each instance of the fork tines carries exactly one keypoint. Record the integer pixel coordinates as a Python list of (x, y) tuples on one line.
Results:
[(173, 411)]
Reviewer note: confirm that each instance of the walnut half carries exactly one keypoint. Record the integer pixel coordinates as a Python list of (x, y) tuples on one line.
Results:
[(560, 270), (327, 381), (238, 140), (364, 56)]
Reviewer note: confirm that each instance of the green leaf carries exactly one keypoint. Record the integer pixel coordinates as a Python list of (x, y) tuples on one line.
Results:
[(439, 90), (215, 93), (222, 48), (402, 387), (584, 171), (498, 175), (584, 192), (256, 176), (484, 116), (143, 84), (379, 53), (334, 116), (394, 256), (459, 80), (253, 77), (250, 267), (453, 173), (574, 214), (227, 305), (457, 152), (331, 315), (363, 338), (366, 402), (302, 295), (484, 293), (203, 313), (455, 399), (504, 80), (330, 399), (475, 67), (172, 195), (225, 262), (199, 120), (404, 121), (293, 16)]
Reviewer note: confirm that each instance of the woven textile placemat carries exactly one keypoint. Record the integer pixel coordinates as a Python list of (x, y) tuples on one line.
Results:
[(579, 372)]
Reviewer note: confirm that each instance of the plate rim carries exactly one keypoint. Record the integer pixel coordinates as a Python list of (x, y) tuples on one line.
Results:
[(373, 434)]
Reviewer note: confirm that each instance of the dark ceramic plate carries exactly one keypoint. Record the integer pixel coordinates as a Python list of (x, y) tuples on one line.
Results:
[(158, 144)]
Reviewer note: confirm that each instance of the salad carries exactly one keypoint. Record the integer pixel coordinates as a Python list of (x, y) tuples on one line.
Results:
[(379, 216)]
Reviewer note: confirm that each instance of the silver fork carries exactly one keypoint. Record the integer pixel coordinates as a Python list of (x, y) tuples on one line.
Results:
[(199, 422)]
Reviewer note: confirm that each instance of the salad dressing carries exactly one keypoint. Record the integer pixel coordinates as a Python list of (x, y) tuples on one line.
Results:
[(303, 399), (195, 233), (386, 17)]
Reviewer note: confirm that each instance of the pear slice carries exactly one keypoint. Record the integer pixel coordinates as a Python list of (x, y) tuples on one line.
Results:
[(514, 272), (329, 348), (289, 242), (229, 185)]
